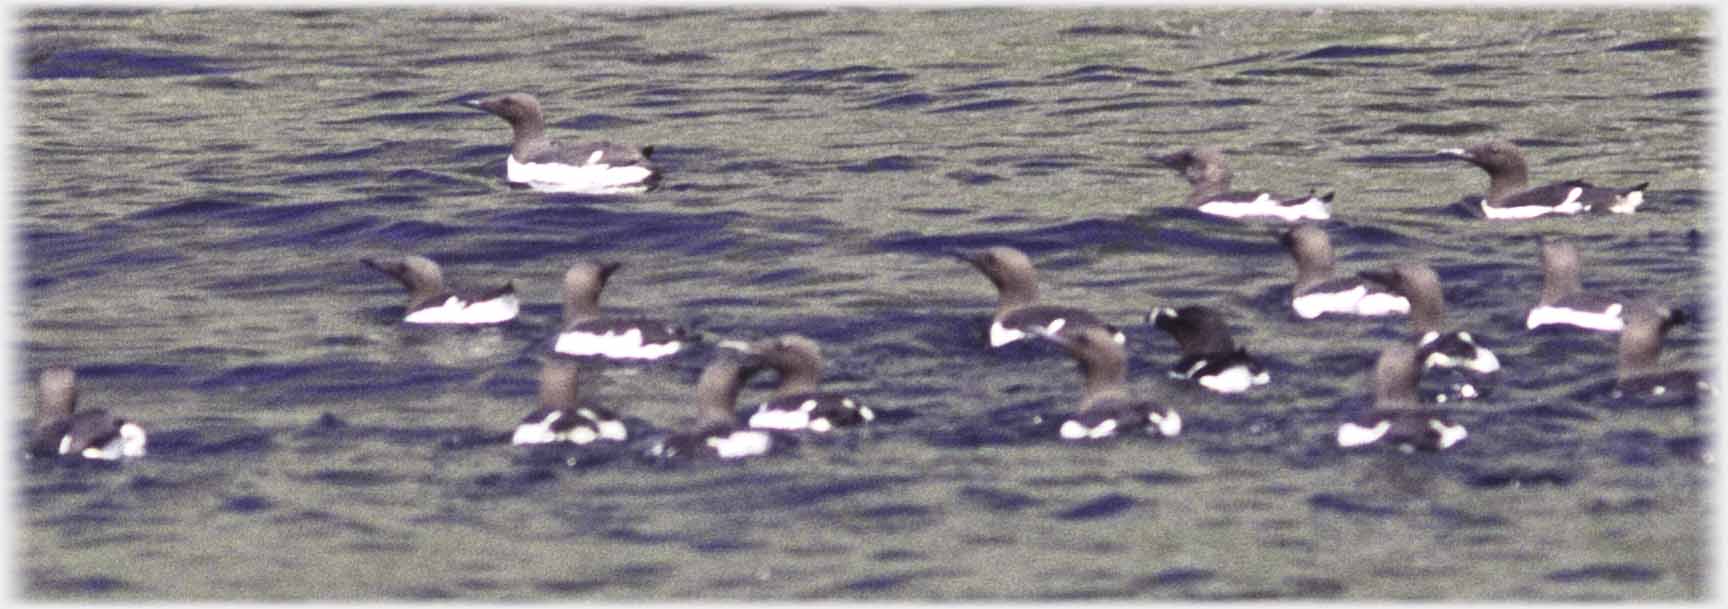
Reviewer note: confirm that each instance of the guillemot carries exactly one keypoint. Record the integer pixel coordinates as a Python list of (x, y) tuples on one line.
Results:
[(797, 403), (717, 432), (588, 333), (90, 434), (1641, 349), (1210, 358), (561, 417), (1564, 300), (1397, 417), (429, 302), (1509, 195), (546, 165), (1317, 292), (1474, 367), (1017, 307), (1106, 406), (1437, 345), (1209, 176)]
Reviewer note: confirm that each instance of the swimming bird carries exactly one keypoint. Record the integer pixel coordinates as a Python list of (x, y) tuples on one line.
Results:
[(91, 434), (1509, 195), (1437, 345), (797, 403), (546, 165), (561, 416), (1017, 306), (1209, 175), (717, 432), (588, 333), (1564, 300), (1316, 292), (1209, 357), (1106, 406), (1640, 350), (429, 302), (1398, 418)]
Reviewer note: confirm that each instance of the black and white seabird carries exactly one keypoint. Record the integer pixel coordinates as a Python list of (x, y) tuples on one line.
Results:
[(1564, 300), (90, 434), (1106, 407), (1209, 357), (1641, 349), (1316, 292), (717, 432), (1017, 307), (591, 167), (1398, 418), (429, 302), (1209, 175), (1437, 345), (1509, 195), (561, 416), (588, 333), (797, 403)]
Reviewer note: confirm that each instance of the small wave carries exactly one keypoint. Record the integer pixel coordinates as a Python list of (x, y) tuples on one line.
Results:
[(118, 64)]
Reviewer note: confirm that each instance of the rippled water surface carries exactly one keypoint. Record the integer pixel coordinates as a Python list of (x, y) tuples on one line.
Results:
[(196, 188)]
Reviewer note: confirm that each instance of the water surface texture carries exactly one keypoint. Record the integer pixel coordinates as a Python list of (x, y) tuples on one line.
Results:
[(197, 187)]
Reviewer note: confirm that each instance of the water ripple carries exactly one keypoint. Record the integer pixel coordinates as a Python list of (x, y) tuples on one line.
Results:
[(118, 63)]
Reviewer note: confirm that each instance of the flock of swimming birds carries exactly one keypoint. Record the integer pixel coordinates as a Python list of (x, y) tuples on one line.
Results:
[(1209, 357)]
